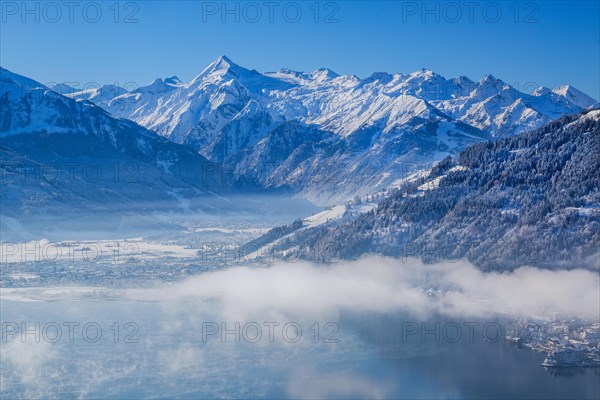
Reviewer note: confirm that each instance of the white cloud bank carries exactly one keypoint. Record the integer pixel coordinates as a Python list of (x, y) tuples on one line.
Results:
[(378, 284)]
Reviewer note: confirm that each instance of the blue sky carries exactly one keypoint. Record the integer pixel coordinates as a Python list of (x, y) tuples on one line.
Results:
[(524, 43)]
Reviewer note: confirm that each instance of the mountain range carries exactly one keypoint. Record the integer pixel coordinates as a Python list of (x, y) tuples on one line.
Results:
[(323, 136), (58, 154), (328, 136), (531, 199)]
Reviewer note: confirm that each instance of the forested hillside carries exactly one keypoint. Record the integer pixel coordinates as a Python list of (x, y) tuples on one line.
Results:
[(532, 199)]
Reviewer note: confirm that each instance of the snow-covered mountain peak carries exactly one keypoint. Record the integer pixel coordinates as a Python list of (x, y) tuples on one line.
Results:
[(574, 95), (220, 67), (288, 75), (563, 89), (157, 86), (99, 95), (63, 88), (221, 63), (15, 85), (424, 72), (426, 85), (288, 71), (491, 80), (323, 74), (380, 77), (28, 106), (173, 80), (542, 90), (490, 86), (464, 82)]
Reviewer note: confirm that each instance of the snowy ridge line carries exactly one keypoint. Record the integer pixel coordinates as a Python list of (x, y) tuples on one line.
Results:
[(476, 206), (329, 136)]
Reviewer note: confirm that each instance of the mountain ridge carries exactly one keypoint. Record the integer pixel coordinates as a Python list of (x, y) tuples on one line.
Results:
[(85, 158), (374, 127), (532, 199)]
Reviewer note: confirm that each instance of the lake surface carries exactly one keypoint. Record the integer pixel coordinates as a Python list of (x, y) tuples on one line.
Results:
[(167, 352)]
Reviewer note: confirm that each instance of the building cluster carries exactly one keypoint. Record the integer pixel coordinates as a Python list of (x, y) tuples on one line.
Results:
[(567, 342)]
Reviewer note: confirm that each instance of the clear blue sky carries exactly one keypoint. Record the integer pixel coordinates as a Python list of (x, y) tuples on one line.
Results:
[(548, 42)]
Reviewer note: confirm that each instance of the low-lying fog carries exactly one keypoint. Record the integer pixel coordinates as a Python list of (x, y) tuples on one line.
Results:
[(289, 330)]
